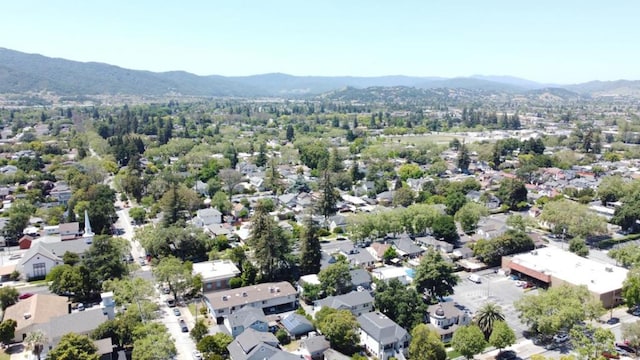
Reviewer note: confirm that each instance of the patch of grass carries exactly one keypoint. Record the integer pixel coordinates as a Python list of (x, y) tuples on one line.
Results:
[(452, 354), (606, 244), (293, 345), (4, 355), (192, 309), (39, 282)]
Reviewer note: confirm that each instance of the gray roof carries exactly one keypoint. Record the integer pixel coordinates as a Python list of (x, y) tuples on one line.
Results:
[(253, 344), (381, 328), (246, 317), (315, 344), (407, 246), (39, 248), (360, 277), (82, 322), (297, 324), (331, 354), (349, 300), (78, 246), (446, 309)]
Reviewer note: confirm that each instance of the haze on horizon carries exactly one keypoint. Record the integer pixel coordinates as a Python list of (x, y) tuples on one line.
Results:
[(546, 41)]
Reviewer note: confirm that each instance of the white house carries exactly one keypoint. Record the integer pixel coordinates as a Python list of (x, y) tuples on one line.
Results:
[(445, 318), (271, 297), (207, 216), (382, 337), (216, 274)]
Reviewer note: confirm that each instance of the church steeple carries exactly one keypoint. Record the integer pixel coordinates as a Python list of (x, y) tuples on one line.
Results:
[(88, 234)]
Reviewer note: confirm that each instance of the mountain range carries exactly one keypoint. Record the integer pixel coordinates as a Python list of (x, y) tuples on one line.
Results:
[(23, 73)]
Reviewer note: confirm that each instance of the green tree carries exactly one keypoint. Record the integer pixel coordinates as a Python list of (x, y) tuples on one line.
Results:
[(8, 296), (129, 290), (512, 193), (435, 276), (74, 347), (401, 304), (469, 215), (138, 215), (486, 317), (454, 202), (7, 330), (34, 342), (627, 255), (269, 244), (214, 344), (104, 258), (502, 336), (444, 227), (426, 344), (410, 171), (611, 189), (468, 340), (464, 159), (261, 159), (336, 278), (176, 274), (592, 347), (389, 254), (576, 219), (290, 133), (578, 246), (631, 288), (631, 333), (70, 258), (341, 329), (329, 196), (558, 308), (200, 330), (101, 209), (273, 178), (403, 196), (155, 345), (310, 250)]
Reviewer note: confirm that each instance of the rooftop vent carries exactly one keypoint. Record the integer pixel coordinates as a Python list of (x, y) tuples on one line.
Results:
[(244, 294), (271, 289), (277, 289), (225, 298), (27, 315)]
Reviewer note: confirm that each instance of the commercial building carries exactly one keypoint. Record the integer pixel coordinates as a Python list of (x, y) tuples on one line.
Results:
[(216, 274), (551, 266)]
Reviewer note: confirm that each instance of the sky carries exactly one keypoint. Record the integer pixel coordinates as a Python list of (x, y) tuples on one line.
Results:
[(560, 41)]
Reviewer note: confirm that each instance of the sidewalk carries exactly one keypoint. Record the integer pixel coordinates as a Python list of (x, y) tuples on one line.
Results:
[(525, 349)]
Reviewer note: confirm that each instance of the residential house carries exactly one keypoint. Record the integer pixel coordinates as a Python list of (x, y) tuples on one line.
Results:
[(331, 354), (35, 310), (356, 257), (61, 193), (403, 274), (360, 279), (445, 318), (491, 227), (358, 302), (430, 241), (313, 347), (297, 325), (382, 337), (245, 318), (337, 221), (288, 200), (201, 188), (80, 322), (69, 231), (271, 297), (215, 274), (254, 345), (406, 248), (377, 250), (207, 216)]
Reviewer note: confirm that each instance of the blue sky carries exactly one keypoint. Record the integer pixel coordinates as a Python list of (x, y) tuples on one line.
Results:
[(561, 41)]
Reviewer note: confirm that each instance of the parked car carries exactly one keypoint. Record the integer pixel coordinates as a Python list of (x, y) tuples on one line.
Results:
[(171, 303), (636, 312), (560, 338), (475, 278), (613, 321), (176, 312), (506, 355), (196, 355), (25, 296), (183, 326), (621, 351), (626, 348)]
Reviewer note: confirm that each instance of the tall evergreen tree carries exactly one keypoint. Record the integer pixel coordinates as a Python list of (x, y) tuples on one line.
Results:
[(463, 158), (329, 197), (310, 250), (290, 133), (171, 208), (273, 178), (261, 159), (269, 244)]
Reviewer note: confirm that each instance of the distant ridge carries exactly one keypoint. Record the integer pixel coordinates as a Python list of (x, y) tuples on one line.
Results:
[(22, 73)]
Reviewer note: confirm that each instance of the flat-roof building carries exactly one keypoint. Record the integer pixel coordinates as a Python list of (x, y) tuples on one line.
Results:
[(555, 267), (216, 274)]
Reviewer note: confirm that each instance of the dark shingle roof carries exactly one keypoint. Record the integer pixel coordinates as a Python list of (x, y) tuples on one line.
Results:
[(381, 328), (349, 300)]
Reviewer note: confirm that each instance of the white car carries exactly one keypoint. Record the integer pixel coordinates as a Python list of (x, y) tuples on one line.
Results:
[(560, 338), (196, 355)]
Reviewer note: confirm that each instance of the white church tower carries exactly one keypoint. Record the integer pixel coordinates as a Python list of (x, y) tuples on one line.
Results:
[(88, 234)]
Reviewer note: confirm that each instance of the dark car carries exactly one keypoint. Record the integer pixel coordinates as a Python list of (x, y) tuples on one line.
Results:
[(183, 326), (626, 348), (613, 320), (506, 355)]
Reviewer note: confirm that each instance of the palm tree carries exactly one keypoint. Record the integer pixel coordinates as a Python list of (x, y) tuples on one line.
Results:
[(486, 316), (35, 342)]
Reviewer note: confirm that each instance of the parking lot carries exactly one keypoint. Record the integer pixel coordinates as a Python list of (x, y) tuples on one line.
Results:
[(496, 288)]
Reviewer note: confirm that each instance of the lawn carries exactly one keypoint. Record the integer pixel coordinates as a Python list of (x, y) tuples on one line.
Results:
[(4, 355), (452, 354)]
